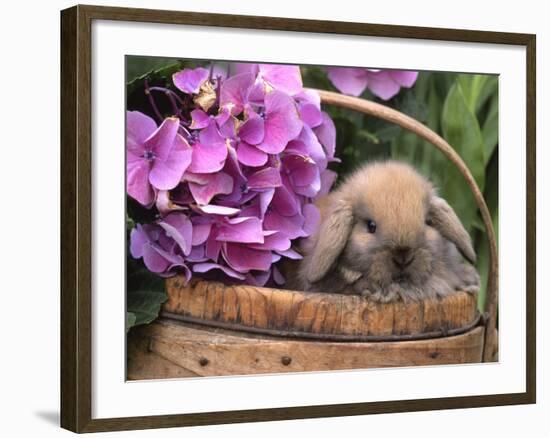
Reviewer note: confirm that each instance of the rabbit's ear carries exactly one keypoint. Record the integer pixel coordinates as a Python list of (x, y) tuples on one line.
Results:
[(444, 219), (332, 238)]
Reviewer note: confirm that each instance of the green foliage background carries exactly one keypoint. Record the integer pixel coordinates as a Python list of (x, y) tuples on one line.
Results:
[(462, 108)]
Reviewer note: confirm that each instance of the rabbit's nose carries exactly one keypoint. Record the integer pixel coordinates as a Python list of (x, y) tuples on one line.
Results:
[(402, 256)]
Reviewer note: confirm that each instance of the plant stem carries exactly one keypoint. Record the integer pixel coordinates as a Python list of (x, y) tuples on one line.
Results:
[(152, 101)]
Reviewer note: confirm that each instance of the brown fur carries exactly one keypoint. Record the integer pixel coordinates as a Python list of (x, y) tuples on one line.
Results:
[(413, 253)]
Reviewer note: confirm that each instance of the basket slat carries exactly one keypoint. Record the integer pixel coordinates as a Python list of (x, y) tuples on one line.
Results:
[(306, 313), (168, 349)]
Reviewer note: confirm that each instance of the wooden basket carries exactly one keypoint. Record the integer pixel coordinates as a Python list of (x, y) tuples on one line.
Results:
[(209, 329)]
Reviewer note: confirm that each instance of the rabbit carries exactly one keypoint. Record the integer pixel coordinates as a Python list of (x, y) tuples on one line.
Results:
[(385, 234)]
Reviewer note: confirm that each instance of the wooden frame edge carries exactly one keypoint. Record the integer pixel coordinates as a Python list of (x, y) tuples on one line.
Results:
[(531, 217), (69, 312), (75, 220), (76, 380)]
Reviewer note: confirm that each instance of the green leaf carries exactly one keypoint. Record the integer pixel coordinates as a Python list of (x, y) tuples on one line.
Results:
[(368, 136), (162, 74), (130, 224), (145, 293), (130, 321), (490, 128), (461, 129), (489, 90), (145, 305), (472, 86), (138, 66)]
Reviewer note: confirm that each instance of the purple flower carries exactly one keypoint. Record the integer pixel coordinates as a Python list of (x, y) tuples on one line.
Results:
[(209, 151), (382, 83), (286, 78), (256, 146), (235, 91), (242, 258), (269, 131), (163, 245), (156, 157), (190, 80), (204, 187), (309, 104)]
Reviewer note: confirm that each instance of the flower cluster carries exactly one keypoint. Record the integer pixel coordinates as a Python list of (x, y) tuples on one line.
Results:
[(384, 84), (232, 173)]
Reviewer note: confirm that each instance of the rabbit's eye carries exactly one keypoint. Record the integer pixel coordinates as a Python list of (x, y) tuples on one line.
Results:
[(371, 226)]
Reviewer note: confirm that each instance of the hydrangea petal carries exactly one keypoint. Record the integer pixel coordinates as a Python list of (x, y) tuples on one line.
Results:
[(244, 67), (211, 135), (291, 254), (309, 96), (153, 260), (138, 239), (167, 173), (258, 278), (179, 227), (328, 177), (404, 78), (265, 199), (201, 233), (197, 254), (218, 210), (282, 122), (252, 130), (232, 166), (190, 80), (250, 155), (382, 85), (213, 247), (161, 141), (313, 148), (302, 170), (265, 179), (348, 80), (257, 93), (217, 183), (326, 133), (285, 201), (228, 129), (286, 78), (248, 231), (276, 241), (199, 119), (310, 114), (234, 92), (310, 107), (207, 158), (243, 259), (137, 181), (291, 226), (205, 267), (138, 128)]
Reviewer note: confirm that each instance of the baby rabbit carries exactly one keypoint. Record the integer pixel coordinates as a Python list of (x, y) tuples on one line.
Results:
[(385, 234)]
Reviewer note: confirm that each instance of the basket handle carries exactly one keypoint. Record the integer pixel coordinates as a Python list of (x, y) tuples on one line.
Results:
[(406, 122)]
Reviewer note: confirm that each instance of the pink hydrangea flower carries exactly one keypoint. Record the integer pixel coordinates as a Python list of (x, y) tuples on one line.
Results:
[(254, 163), (382, 83), (156, 158)]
